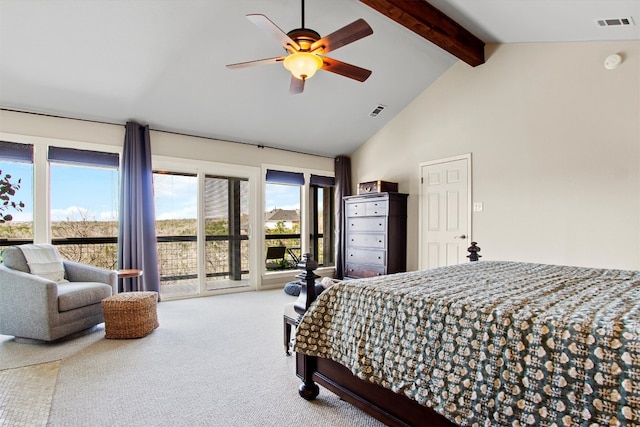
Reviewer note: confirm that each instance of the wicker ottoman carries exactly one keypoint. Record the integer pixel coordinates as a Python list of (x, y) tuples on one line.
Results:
[(130, 314)]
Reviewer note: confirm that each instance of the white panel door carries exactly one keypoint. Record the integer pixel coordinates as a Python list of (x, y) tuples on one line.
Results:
[(445, 215)]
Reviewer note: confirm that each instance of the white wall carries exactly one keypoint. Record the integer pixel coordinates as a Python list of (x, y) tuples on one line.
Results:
[(555, 140), (162, 143)]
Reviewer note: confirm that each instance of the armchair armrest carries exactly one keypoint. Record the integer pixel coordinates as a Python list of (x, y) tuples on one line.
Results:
[(77, 272), (26, 300)]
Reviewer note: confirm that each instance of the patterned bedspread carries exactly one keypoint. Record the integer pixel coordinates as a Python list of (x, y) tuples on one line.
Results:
[(491, 343)]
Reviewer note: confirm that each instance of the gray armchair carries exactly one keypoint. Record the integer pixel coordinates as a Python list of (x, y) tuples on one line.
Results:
[(36, 308)]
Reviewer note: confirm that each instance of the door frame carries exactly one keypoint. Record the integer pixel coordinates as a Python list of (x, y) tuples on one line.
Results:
[(421, 219)]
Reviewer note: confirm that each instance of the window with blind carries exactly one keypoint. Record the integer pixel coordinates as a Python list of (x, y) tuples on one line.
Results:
[(282, 219), (84, 198), (16, 165)]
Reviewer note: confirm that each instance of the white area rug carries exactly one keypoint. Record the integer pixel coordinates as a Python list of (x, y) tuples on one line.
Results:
[(16, 354), (25, 394)]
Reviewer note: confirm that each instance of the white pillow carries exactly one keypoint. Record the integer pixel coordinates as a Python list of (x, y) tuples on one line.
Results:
[(44, 261)]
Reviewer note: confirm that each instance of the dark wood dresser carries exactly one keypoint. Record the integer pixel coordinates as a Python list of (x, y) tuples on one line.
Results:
[(375, 234)]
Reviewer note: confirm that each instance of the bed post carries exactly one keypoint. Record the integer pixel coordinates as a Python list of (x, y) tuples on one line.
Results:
[(306, 365), (473, 252), (308, 282)]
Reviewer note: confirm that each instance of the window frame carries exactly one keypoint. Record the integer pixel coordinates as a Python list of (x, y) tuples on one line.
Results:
[(41, 175), (20, 154), (306, 219), (327, 184)]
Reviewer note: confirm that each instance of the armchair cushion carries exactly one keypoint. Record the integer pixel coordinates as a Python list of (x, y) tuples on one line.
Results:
[(74, 295)]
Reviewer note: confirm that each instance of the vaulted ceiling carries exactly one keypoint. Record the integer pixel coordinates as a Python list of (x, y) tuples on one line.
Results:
[(163, 62)]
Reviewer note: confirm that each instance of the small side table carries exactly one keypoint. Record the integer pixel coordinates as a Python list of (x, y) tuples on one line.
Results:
[(130, 273), (290, 320)]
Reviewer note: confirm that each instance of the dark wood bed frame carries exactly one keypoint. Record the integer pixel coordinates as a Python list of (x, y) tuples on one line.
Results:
[(391, 408)]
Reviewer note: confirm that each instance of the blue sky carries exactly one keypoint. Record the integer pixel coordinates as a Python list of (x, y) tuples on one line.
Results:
[(78, 192)]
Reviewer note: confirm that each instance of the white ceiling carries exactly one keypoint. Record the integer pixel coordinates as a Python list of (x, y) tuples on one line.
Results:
[(162, 62)]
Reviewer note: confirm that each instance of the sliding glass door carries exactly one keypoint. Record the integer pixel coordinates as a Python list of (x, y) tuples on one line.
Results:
[(202, 226)]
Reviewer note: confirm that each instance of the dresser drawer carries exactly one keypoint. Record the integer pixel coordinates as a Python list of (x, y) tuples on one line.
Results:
[(372, 208), (377, 208), (375, 241), (355, 209), (359, 270), (366, 224), (366, 256)]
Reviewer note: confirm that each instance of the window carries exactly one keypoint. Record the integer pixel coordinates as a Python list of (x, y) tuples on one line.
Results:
[(322, 207), (16, 161), (282, 217), (84, 195)]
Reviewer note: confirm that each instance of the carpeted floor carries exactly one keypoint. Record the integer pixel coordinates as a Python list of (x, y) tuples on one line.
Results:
[(216, 361)]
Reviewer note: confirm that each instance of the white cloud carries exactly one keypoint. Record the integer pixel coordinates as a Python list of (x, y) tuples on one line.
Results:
[(72, 213)]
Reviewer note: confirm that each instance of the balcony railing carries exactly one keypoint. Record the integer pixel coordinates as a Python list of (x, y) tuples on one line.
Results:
[(177, 255)]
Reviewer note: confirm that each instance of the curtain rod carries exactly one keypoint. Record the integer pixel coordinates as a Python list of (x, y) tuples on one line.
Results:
[(159, 130)]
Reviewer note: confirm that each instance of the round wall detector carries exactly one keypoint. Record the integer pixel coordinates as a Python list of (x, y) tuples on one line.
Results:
[(612, 61)]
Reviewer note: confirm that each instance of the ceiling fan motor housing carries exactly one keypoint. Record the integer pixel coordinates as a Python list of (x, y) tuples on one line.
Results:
[(304, 37)]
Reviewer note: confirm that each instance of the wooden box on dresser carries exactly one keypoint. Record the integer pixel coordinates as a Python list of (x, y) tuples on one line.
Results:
[(375, 234)]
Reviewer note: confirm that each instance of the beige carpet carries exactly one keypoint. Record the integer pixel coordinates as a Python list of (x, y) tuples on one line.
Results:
[(216, 361)]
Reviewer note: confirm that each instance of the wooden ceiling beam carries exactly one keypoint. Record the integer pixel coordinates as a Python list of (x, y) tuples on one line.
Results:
[(425, 20)]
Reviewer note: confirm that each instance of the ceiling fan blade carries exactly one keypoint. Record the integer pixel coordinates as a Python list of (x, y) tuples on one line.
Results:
[(348, 34), (344, 69), (267, 25), (256, 62), (296, 86)]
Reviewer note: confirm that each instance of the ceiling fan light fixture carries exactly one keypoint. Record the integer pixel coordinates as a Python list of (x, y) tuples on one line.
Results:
[(303, 65)]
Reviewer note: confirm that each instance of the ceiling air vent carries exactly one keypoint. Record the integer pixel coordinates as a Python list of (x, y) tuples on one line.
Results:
[(377, 110), (615, 22)]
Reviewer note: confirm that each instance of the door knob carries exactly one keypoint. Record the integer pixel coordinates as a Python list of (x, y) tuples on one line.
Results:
[(460, 237)]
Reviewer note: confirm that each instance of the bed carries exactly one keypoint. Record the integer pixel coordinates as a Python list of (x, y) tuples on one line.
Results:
[(481, 343)]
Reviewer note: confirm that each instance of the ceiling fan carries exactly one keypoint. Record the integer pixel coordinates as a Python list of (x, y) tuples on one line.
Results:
[(306, 50)]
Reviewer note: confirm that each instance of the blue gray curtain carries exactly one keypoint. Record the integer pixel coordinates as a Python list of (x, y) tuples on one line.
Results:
[(342, 169), (137, 232)]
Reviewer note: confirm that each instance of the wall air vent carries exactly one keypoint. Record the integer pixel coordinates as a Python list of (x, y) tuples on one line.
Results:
[(615, 22), (377, 110)]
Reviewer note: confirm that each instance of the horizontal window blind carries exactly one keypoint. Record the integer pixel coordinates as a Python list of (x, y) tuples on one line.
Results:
[(16, 152), (283, 177), (322, 181), (84, 157)]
